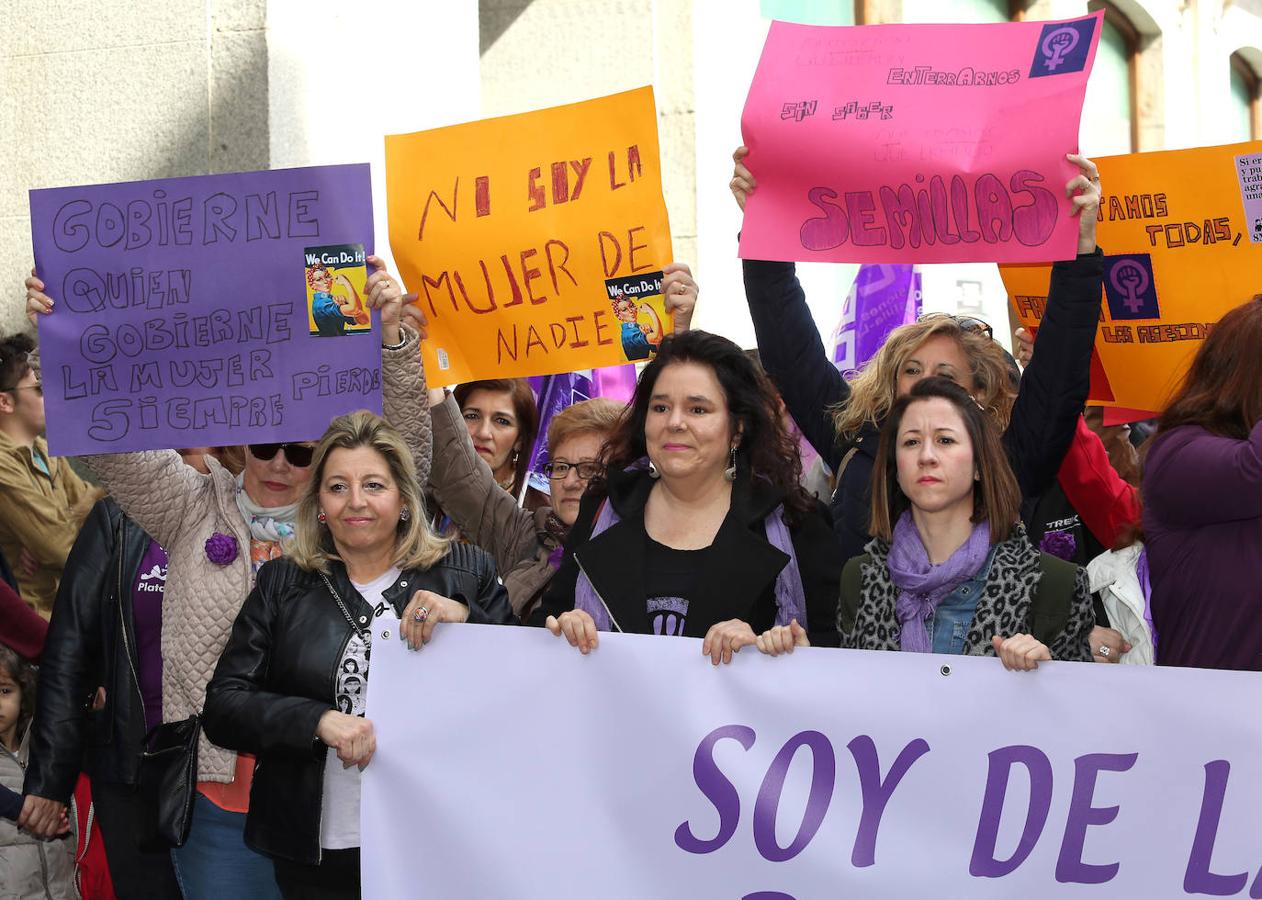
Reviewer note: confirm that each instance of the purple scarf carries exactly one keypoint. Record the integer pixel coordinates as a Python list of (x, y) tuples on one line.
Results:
[(922, 585), (1145, 588)]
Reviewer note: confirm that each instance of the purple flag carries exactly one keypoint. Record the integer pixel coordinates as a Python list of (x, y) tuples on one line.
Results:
[(615, 382), (200, 312), (882, 298), (559, 392)]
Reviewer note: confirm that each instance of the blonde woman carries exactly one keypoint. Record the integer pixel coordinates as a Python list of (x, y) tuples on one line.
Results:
[(218, 530), (295, 671), (843, 420)]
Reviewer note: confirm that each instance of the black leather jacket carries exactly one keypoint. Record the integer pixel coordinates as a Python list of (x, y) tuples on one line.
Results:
[(277, 677), (91, 642)]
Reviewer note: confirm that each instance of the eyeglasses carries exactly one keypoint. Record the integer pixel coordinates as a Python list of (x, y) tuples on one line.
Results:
[(967, 323), (37, 388), (295, 454), (586, 470)]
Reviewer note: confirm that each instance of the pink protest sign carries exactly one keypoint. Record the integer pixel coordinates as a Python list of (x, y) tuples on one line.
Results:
[(916, 143)]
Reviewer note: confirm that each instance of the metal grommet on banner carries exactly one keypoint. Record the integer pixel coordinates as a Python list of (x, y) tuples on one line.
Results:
[(945, 670), (385, 635)]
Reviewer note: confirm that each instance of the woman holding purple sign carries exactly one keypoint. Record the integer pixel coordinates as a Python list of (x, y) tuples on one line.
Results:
[(218, 530), (699, 527)]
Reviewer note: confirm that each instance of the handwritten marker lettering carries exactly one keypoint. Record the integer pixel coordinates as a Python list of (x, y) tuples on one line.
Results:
[(1057, 45)]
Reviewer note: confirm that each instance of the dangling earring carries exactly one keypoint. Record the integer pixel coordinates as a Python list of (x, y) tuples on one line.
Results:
[(516, 456), (653, 473), (405, 514), (321, 517), (730, 472)]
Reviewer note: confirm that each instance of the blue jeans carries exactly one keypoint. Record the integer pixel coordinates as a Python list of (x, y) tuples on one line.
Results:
[(215, 862)]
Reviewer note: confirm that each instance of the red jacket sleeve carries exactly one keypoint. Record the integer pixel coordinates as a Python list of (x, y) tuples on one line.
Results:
[(1106, 502), (21, 628)]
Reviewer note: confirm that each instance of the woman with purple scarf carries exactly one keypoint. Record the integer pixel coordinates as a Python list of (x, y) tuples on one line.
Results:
[(698, 527), (950, 568)]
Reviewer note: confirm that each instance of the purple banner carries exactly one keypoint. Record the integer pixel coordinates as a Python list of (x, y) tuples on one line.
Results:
[(183, 315), (827, 773), (882, 298)]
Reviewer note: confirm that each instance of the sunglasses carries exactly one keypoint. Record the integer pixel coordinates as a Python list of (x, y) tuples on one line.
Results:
[(295, 454), (967, 323)]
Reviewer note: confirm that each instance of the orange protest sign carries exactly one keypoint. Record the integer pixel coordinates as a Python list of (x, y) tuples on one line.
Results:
[(1182, 234), (535, 242)]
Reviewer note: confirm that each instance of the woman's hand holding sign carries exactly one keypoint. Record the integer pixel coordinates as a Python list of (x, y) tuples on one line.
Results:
[(1083, 190), (680, 292), (743, 182), (385, 293)]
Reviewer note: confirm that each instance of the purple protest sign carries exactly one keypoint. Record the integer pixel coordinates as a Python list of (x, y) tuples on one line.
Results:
[(882, 298), (182, 313)]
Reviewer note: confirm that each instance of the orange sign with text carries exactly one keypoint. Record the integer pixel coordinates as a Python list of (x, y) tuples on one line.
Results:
[(1182, 234), (535, 242)]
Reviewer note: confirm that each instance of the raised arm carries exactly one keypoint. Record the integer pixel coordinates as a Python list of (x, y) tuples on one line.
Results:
[(156, 489), (789, 344), (465, 487), (1055, 385), (403, 401), (793, 354)]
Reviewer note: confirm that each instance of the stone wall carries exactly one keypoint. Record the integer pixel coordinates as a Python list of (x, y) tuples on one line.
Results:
[(101, 92)]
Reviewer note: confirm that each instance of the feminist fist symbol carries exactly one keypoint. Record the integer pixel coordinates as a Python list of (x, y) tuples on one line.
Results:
[(1057, 45), (1131, 281)]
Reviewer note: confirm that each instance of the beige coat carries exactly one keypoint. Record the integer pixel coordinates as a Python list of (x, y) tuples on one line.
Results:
[(181, 508), (31, 869), (488, 515), (40, 513)]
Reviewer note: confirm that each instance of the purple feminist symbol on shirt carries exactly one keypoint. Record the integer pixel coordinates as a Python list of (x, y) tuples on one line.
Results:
[(668, 615), (1057, 45)]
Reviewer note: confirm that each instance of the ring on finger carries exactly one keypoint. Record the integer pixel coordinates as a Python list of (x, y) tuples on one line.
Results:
[(421, 614)]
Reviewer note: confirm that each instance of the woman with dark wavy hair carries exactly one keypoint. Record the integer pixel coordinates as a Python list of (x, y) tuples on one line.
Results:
[(1202, 491), (699, 527)]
